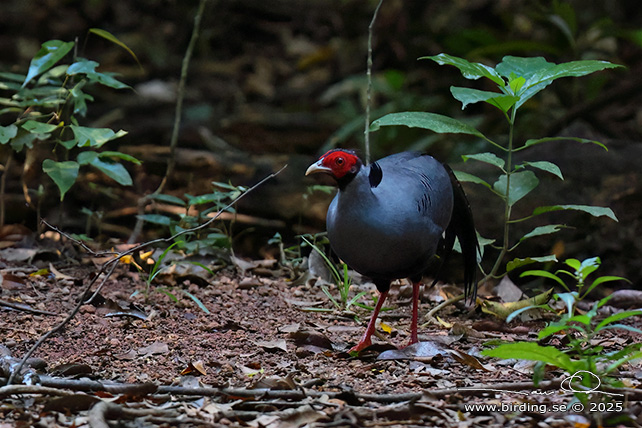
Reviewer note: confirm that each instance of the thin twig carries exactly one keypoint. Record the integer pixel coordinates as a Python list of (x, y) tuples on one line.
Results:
[(369, 84), (430, 315), (25, 308), (180, 95), (78, 241)]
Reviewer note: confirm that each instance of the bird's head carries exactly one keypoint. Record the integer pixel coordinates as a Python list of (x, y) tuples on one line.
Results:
[(339, 163)]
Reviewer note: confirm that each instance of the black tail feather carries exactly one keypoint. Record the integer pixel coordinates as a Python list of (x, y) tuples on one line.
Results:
[(463, 227)]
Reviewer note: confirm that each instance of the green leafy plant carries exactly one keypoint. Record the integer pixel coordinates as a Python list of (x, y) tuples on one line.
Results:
[(517, 80), (579, 274), (45, 106), (342, 280), (582, 352), (196, 211), (159, 266)]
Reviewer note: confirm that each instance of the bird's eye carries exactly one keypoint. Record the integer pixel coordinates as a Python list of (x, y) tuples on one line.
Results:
[(340, 161)]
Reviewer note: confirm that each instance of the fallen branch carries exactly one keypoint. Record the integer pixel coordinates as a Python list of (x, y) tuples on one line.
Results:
[(88, 385)]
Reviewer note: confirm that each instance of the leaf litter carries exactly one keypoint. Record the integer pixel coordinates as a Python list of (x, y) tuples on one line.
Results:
[(255, 338)]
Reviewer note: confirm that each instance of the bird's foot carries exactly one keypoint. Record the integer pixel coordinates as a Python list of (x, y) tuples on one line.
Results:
[(363, 344)]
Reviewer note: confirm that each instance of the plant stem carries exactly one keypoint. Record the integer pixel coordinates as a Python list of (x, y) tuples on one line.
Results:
[(507, 204), (369, 85), (178, 113)]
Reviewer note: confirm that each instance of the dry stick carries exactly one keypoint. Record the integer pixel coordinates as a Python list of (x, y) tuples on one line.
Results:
[(112, 265), (369, 80), (88, 385), (25, 308), (430, 316), (180, 95), (78, 241)]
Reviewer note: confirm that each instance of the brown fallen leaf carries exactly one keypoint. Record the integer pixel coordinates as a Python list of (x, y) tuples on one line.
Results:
[(273, 345), (194, 367), (154, 349), (127, 356), (275, 382), (311, 337), (426, 351)]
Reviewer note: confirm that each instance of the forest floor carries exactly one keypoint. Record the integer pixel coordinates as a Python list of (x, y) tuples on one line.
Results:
[(260, 357)]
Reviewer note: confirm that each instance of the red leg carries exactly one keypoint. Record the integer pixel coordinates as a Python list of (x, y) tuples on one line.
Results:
[(415, 313), (365, 339)]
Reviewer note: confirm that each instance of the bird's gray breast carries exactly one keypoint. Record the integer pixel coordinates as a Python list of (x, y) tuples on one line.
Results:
[(392, 229)]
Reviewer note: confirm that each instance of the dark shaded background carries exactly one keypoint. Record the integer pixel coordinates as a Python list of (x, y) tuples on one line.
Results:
[(275, 82)]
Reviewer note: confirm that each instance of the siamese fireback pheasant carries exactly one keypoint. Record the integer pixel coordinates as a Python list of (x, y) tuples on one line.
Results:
[(389, 219)]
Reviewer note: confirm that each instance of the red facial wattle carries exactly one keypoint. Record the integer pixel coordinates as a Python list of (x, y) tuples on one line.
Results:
[(338, 162)]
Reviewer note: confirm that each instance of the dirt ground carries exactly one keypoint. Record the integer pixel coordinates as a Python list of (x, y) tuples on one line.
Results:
[(260, 357)]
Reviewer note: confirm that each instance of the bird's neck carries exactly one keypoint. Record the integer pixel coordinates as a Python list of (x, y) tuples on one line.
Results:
[(349, 178)]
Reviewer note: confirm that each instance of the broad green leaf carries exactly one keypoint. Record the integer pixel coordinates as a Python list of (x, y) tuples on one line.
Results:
[(88, 68), (470, 96), (113, 170), (569, 69), (23, 139), (517, 262), (82, 66), (594, 211), (542, 230), (504, 102), (170, 199), (12, 77), (94, 137), (489, 158), (573, 263), (7, 133), (544, 166), (64, 174), (49, 54), (432, 121), (521, 184), (543, 274), (53, 76), (80, 98), (465, 177), (550, 330), (36, 127), (617, 317), (534, 352), (602, 280), (516, 83), (547, 139), (569, 300), (109, 36), (162, 220), (470, 70), (85, 158), (513, 67)]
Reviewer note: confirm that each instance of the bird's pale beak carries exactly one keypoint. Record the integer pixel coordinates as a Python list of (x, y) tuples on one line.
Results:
[(317, 167)]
